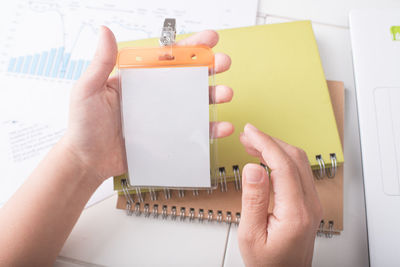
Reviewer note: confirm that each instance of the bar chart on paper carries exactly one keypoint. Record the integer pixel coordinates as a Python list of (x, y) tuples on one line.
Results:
[(49, 39), (53, 40), (54, 63)]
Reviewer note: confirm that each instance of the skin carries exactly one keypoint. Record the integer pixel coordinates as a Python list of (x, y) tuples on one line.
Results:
[(34, 227), (286, 236)]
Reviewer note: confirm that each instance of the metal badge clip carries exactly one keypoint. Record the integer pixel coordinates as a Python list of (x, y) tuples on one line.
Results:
[(168, 32)]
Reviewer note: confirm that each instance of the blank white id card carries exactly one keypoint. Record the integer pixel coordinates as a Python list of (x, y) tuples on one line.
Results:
[(165, 115)]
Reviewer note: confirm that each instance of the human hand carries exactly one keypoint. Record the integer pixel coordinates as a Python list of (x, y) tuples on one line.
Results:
[(286, 236), (94, 133)]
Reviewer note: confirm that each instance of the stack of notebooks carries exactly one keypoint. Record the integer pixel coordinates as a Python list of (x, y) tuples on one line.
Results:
[(280, 88)]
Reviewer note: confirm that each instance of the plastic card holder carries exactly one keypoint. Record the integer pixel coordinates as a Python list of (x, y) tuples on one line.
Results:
[(168, 110)]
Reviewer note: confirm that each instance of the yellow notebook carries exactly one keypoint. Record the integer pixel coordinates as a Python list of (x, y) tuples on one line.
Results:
[(226, 206), (279, 86)]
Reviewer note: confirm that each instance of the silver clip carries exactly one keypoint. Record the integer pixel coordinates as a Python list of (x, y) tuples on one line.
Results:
[(137, 209), (153, 194), (321, 172), (201, 215), (222, 177), (146, 210), (210, 215), (266, 168), (228, 217), (173, 213), (236, 173), (195, 192), (321, 228), (139, 194), (155, 210), (181, 193), (237, 220), (129, 200), (331, 172), (168, 32), (164, 212), (191, 214), (329, 234), (182, 214), (219, 216), (167, 193)]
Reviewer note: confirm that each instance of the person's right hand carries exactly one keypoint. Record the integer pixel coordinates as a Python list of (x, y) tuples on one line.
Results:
[(286, 236)]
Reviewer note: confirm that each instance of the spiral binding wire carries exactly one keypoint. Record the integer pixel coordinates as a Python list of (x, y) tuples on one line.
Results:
[(331, 172), (129, 200), (266, 168), (210, 215), (153, 194), (327, 233), (222, 178), (323, 171), (238, 181), (139, 194), (167, 193)]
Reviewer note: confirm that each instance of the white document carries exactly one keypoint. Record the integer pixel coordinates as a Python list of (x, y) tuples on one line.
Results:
[(56, 39), (22, 145), (46, 45), (166, 126), (375, 36)]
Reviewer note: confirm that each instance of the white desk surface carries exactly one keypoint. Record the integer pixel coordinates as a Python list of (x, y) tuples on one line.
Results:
[(105, 236)]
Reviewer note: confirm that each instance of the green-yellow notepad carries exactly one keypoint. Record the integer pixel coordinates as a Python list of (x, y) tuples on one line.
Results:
[(279, 86)]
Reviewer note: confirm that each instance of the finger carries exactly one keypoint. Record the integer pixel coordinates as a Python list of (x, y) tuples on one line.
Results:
[(284, 174), (209, 38), (103, 62), (255, 201), (219, 129), (220, 94), (222, 62), (300, 159), (113, 82), (249, 148)]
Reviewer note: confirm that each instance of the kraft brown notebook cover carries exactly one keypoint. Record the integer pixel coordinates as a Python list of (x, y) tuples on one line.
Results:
[(226, 206)]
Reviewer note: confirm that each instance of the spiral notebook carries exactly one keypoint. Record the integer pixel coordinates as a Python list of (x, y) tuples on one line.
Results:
[(280, 87), (224, 203)]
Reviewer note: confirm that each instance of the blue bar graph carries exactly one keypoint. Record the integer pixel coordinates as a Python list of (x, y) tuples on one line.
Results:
[(64, 65), (34, 64), (50, 62), (11, 64), (71, 70), (19, 64), (53, 63), (87, 63), (27, 64), (59, 58), (42, 63), (78, 70)]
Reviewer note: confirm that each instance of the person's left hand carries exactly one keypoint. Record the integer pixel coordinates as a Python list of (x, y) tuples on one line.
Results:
[(94, 133)]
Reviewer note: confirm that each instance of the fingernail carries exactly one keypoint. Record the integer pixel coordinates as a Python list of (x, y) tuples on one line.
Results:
[(249, 127), (254, 174)]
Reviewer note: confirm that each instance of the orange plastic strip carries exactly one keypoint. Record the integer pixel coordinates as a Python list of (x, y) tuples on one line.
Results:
[(159, 57)]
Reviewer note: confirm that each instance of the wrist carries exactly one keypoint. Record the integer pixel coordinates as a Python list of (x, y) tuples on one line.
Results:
[(73, 160)]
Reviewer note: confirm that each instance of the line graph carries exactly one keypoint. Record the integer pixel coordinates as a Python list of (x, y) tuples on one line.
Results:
[(55, 40), (66, 35)]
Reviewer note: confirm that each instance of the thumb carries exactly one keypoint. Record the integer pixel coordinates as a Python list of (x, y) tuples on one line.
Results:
[(255, 201), (103, 62)]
